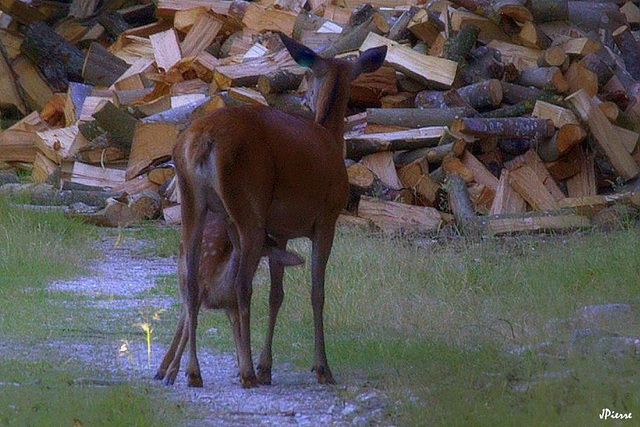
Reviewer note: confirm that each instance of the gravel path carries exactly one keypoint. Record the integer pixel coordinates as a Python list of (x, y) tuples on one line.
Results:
[(293, 399)]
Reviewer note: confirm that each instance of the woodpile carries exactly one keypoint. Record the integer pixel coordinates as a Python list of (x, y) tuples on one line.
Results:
[(496, 116)]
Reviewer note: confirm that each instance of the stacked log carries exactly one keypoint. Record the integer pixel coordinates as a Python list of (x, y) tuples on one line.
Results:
[(495, 116)]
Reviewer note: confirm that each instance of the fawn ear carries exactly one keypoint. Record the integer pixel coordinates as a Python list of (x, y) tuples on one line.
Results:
[(370, 60), (304, 56)]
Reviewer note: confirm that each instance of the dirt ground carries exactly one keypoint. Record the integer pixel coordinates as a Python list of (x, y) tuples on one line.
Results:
[(293, 399)]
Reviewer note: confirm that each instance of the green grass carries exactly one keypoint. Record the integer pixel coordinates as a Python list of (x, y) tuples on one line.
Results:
[(432, 326), (36, 248), (42, 394)]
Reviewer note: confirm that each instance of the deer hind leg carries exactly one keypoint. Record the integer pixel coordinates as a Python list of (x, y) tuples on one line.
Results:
[(321, 249), (171, 352), (174, 366), (250, 252), (234, 322), (193, 220), (276, 296)]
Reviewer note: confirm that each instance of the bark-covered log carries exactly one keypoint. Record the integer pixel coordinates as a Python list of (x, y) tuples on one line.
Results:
[(415, 117), (587, 15), (280, 81), (459, 47), (361, 145), (58, 60), (484, 63), (398, 30), (629, 50), (505, 127), (545, 78), (45, 194), (114, 23), (549, 10), (483, 95), (353, 38), (567, 137), (101, 67)]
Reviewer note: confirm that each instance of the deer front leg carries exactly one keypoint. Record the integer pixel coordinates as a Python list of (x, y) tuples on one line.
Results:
[(234, 322), (276, 296), (321, 249)]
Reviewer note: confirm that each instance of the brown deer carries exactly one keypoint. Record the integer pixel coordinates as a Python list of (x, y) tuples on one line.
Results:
[(268, 174), (216, 291)]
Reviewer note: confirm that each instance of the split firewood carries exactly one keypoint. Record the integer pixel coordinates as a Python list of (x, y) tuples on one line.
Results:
[(151, 142), (509, 224), (531, 36), (353, 38), (496, 10), (118, 124), (604, 134), (398, 30), (579, 77), (101, 67), (415, 176), (421, 67), (559, 115), (533, 161), (527, 183), (506, 200), (484, 63), (280, 81), (369, 89)]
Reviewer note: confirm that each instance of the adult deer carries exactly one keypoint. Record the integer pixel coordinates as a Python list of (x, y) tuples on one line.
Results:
[(215, 290), (268, 173)]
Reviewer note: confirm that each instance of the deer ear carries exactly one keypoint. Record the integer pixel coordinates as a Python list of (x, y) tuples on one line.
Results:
[(304, 56), (370, 60)]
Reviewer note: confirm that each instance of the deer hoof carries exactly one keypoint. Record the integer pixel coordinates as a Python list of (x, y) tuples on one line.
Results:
[(168, 381), (249, 382), (264, 375), (159, 375), (324, 375), (194, 381)]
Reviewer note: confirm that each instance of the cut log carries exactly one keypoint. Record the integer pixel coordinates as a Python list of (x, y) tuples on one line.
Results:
[(96, 176), (145, 205), (604, 134), (482, 95), (461, 206), (580, 46), (553, 56), (361, 145), (629, 50), (521, 57), (399, 218), (414, 117), (60, 144), (458, 48), (260, 19), (423, 68), (280, 81), (584, 182), (531, 36), (549, 10), (57, 59), (567, 137), (46, 194), (481, 174), (484, 63), (546, 78), (505, 127), (10, 93)]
